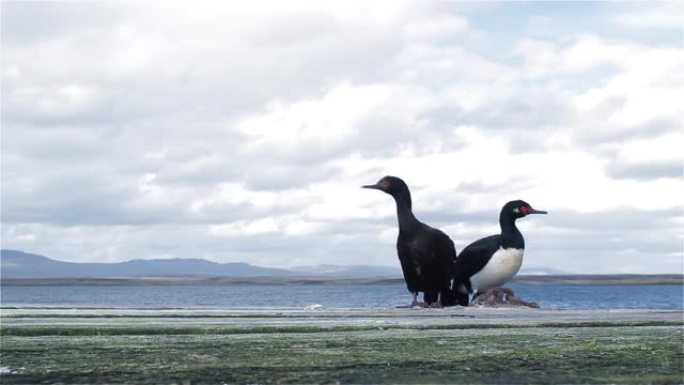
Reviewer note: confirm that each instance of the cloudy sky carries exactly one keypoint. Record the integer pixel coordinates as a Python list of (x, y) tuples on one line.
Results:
[(243, 132)]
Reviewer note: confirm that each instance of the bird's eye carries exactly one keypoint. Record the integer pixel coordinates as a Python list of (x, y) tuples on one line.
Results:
[(525, 209)]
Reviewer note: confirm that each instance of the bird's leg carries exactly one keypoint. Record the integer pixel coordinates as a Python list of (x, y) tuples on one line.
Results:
[(438, 304), (415, 302)]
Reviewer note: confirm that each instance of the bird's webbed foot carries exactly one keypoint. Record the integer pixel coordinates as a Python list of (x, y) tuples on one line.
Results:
[(437, 304), (417, 304)]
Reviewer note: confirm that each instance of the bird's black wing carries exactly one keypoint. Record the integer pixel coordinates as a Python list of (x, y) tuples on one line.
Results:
[(474, 258), (434, 255), (405, 252), (426, 257), (443, 275)]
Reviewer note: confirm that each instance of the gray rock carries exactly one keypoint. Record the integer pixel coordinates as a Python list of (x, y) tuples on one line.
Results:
[(501, 297)]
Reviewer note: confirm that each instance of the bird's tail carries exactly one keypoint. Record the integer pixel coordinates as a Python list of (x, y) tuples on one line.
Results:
[(453, 296), (448, 298), (458, 293), (460, 298), (459, 289)]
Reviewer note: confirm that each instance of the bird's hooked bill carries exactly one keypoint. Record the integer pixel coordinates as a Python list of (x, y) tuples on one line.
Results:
[(534, 211), (375, 186)]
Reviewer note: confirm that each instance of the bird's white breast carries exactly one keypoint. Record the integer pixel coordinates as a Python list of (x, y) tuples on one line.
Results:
[(503, 265)]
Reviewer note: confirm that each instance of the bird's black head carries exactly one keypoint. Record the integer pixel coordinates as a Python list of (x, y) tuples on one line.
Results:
[(389, 184), (518, 209)]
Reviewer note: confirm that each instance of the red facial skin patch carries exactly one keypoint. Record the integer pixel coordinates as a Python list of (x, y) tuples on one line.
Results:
[(525, 209)]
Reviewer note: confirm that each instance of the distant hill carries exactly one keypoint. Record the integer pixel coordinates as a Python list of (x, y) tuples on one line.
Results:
[(600, 279), (20, 268), (18, 264), (540, 271), (348, 271)]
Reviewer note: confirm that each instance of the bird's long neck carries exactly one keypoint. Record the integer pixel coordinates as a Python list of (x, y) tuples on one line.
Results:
[(407, 220), (510, 235)]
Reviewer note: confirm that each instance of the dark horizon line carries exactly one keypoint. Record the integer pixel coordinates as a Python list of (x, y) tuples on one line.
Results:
[(293, 269), (190, 259), (565, 279)]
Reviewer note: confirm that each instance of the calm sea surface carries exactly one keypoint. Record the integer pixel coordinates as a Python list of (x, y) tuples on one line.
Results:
[(331, 296)]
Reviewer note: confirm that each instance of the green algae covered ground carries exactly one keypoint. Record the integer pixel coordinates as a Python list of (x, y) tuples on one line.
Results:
[(83, 346)]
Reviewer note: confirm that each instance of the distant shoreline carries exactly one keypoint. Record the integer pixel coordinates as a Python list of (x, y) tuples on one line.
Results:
[(617, 279)]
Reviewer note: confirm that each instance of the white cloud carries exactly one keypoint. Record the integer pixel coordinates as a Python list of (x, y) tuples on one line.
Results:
[(652, 15), (647, 90), (437, 28), (242, 132), (661, 149)]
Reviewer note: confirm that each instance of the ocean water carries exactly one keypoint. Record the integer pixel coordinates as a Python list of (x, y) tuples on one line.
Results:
[(330, 296)]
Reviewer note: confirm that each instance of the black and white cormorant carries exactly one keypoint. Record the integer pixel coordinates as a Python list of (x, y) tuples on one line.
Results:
[(427, 255), (492, 261)]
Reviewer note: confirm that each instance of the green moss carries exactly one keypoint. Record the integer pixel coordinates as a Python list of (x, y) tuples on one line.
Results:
[(643, 354), (346, 347), (592, 324), (213, 329)]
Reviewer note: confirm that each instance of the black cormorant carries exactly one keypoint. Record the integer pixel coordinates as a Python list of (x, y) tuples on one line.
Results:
[(427, 255), (492, 261)]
